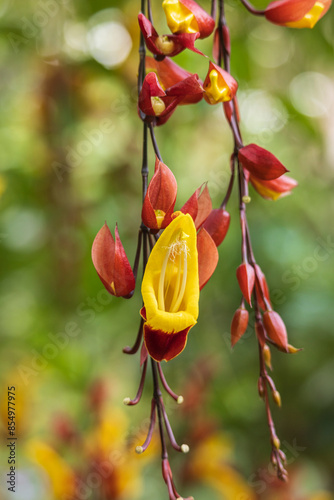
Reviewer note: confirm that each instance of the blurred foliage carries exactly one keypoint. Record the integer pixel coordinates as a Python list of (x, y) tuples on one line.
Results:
[(70, 159)]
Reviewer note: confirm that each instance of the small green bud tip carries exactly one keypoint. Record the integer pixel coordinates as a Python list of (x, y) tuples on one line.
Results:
[(180, 400), (184, 448), (126, 401), (139, 450), (246, 199)]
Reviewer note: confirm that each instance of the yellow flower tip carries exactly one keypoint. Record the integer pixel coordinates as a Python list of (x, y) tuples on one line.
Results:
[(112, 286), (277, 398), (165, 45), (158, 105), (185, 448), (310, 19), (276, 442), (139, 450), (159, 215), (246, 199), (216, 90), (179, 18), (126, 401), (180, 400)]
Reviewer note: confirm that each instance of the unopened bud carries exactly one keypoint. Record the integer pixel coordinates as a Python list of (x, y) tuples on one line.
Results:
[(273, 459), (260, 387), (126, 401), (292, 349), (180, 400), (184, 448), (267, 356), (276, 442), (157, 105), (246, 199), (139, 449), (277, 398), (282, 455)]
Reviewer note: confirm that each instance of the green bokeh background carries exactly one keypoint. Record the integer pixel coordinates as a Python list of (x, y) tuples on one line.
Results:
[(52, 98)]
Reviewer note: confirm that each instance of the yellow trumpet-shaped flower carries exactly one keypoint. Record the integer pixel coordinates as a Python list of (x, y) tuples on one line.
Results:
[(170, 290), (179, 18)]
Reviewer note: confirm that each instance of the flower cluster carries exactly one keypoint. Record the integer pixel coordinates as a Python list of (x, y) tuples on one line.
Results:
[(179, 247)]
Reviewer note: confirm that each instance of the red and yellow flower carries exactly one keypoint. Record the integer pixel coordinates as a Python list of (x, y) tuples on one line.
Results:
[(297, 13), (186, 16), (170, 289), (219, 85)]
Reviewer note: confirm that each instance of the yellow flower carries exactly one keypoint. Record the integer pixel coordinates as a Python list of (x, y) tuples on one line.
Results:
[(179, 18), (170, 290)]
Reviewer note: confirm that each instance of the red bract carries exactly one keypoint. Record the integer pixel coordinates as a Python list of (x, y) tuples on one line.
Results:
[(275, 329), (166, 45), (160, 198), (261, 163), (198, 206), (275, 189), (219, 85), (207, 257), (246, 280), (297, 13), (169, 73), (261, 288), (158, 104), (111, 263), (217, 224), (186, 16), (239, 324)]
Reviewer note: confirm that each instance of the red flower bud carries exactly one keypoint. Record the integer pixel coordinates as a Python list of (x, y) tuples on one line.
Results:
[(111, 263), (239, 325), (275, 329), (160, 198), (246, 280), (199, 206), (297, 13), (275, 189), (186, 16), (261, 163), (166, 45), (261, 288), (207, 257), (219, 85), (217, 225)]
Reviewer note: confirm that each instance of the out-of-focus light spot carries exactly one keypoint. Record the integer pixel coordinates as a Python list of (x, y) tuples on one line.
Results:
[(22, 229), (108, 40), (270, 46), (75, 35), (312, 94), (261, 113)]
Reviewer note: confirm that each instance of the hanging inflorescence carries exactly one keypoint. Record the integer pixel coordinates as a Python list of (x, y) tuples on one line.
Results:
[(179, 247)]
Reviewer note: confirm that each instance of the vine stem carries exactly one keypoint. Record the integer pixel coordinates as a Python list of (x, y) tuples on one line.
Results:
[(252, 9)]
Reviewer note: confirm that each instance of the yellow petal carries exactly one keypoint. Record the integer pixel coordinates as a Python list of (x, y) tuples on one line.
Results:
[(179, 18), (217, 90), (170, 286)]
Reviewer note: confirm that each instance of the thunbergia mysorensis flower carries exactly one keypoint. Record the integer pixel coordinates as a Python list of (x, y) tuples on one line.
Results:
[(219, 85), (261, 163), (297, 13), (274, 189), (159, 104), (159, 201), (186, 16), (166, 45), (111, 263), (169, 73), (170, 290)]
